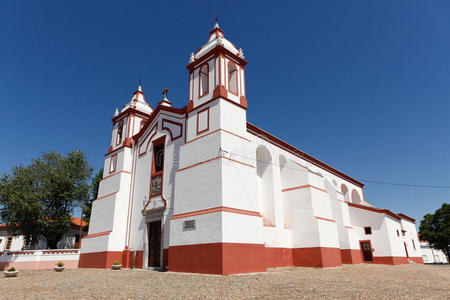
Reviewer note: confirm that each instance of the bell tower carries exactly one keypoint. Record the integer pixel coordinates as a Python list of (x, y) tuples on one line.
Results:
[(217, 70), (216, 225)]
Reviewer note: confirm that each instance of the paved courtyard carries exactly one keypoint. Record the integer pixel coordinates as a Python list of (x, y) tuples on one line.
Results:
[(349, 281)]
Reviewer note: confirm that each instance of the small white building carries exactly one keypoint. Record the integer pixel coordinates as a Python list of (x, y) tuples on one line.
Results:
[(199, 189), (14, 252), (71, 239), (431, 255)]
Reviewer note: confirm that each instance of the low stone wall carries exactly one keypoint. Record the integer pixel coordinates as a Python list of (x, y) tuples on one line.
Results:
[(39, 259)]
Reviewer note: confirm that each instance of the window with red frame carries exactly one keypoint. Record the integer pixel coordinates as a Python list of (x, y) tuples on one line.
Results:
[(113, 164), (119, 132), (368, 230), (232, 78), (157, 169), (204, 78), (398, 234)]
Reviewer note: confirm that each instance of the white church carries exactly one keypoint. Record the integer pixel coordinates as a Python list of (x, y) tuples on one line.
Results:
[(199, 189)]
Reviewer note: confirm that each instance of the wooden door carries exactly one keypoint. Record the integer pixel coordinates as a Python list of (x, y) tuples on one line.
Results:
[(406, 250), (154, 244), (366, 249)]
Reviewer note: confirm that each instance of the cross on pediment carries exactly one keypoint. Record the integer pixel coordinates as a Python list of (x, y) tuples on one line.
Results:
[(166, 90)]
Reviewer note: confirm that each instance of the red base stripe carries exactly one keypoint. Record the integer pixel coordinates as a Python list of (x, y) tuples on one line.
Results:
[(217, 258), (351, 256), (321, 257)]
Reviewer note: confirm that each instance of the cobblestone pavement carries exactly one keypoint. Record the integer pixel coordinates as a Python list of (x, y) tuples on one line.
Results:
[(349, 281)]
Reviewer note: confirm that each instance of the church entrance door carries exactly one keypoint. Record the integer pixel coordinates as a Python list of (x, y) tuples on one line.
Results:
[(154, 244), (366, 249)]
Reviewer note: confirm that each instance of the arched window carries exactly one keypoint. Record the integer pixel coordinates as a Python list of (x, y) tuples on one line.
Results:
[(355, 197), (232, 78), (204, 78), (119, 132)]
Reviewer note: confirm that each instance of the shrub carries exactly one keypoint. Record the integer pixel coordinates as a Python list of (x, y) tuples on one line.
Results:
[(11, 269), (116, 262), (60, 264)]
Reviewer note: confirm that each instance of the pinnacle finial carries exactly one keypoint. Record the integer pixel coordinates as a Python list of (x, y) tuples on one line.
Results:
[(217, 21), (140, 85), (116, 113), (192, 58), (241, 53)]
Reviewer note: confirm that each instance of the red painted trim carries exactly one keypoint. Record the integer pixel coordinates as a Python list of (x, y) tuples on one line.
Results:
[(97, 234), (218, 50), (217, 209), (278, 257), (156, 143), (403, 216), (217, 258), (321, 257), (406, 250), (200, 95), (214, 98), (115, 150), (217, 130), (105, 196), (243, 82), (349, 227), (116, 173), (149, 136), (212, 159), (128, 111), (325, 219), (377, 210), (103, 260), (198, 118), (303, 187), (417, 260), (172, 138), (154, 115), (130, 198), (351, 256), (129, 125), (285, 146), (237, 85), (389, 260), (370, 227)]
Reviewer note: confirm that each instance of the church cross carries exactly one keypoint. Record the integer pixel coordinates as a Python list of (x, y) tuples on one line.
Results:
[(166, 90)]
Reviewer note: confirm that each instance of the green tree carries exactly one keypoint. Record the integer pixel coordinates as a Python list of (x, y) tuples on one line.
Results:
[(94, 194), (39, 199), (435, 228), (20, 207)]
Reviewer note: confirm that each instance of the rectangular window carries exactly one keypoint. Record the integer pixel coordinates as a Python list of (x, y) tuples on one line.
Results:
[(113, 164), (414, 245), (8, 243), (368, 230), (157, 168), (398, 234)]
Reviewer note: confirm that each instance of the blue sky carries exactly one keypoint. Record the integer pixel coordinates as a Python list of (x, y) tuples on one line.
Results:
[(361, 85)]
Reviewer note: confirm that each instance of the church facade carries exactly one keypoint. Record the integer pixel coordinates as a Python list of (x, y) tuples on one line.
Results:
[(199, 189)]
